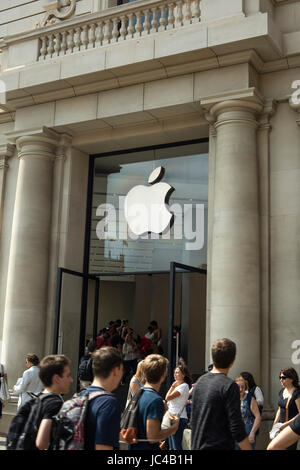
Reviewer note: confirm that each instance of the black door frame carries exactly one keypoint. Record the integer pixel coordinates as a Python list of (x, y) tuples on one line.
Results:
[(175, 268)]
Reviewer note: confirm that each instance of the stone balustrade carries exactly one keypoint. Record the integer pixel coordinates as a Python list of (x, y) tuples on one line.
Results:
[(111, 27)]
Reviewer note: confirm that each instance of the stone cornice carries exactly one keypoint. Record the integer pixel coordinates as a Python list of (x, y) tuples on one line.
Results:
[(249, 56), (249, 94)]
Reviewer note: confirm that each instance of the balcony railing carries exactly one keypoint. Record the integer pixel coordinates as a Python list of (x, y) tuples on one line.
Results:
[(125, 23)]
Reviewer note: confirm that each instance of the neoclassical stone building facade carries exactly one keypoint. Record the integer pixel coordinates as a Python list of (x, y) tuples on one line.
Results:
[(90, 77)]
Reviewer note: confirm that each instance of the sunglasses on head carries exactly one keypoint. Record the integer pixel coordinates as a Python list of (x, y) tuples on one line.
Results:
[(283, 377)]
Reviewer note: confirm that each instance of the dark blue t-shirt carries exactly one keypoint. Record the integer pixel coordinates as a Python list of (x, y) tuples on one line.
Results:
[(102, 424), (151, 406)]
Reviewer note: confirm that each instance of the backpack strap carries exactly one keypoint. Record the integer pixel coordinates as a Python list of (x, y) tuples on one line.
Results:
[(93, 395)]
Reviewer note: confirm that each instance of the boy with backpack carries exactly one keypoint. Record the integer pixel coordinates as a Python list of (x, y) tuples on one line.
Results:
[(31, 427), (102, 422), (151, 407)]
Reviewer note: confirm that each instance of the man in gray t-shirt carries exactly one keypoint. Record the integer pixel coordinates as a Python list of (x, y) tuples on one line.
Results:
[(216, 420)]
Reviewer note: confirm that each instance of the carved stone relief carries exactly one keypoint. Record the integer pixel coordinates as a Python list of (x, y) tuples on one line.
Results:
[(57, 11)]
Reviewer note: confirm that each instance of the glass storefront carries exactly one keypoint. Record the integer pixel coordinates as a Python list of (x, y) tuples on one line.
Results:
[(139, 226)]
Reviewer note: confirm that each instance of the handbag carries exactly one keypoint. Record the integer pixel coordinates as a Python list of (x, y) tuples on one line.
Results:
[(4, 391), (275, 430), (187, 439), (167, 421)]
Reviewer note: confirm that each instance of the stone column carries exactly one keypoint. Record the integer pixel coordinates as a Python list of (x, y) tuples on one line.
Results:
[(6, 151), (235, 288), (211, 193), (26, 294), (263, 145)]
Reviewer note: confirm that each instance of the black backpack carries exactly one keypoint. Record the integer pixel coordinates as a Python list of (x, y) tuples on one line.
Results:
[(85, 370), (24, 426), (129, 419)]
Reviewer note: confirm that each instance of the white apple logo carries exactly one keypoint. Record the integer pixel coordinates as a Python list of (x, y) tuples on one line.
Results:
[(144, 206)]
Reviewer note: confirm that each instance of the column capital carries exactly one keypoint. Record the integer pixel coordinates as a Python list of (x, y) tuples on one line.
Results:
[(64, 142), (42, 143), (228, 111), (268, 111), (36, 146), (6, 151)]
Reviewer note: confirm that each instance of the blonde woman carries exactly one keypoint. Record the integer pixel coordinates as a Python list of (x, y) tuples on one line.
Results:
[(136, 382), (249, 410)]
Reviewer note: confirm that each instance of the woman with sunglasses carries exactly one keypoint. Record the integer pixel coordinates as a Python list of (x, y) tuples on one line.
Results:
[(289, 399), (177, 398)]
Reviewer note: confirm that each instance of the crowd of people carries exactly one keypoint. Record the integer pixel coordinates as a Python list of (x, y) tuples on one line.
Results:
[(218, 412), (117, 333)]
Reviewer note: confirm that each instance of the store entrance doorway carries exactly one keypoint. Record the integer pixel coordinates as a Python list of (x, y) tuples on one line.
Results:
[(86, 303)]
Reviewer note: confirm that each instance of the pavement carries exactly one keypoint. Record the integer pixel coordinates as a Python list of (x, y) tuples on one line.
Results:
[(2, 443)]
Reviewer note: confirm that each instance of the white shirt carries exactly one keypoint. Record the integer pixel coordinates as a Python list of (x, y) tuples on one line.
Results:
[(259, 396), (129, 353), (30, 382), (178, 404)]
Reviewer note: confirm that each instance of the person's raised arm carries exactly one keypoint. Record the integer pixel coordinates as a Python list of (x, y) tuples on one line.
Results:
[(172, 393)]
